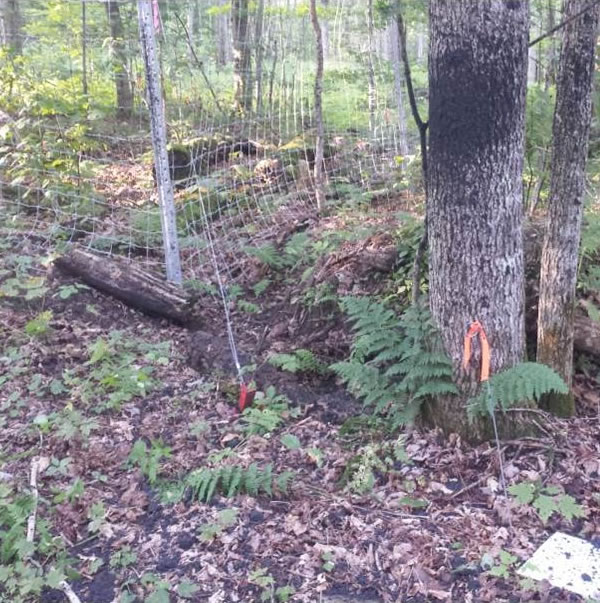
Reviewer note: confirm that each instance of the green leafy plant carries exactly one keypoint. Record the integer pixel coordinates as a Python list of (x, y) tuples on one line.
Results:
[(264, 580), (378, 457), (522, 382), (395, 364), (68, 291), (500, 566), (148, 459), (118, 370), (546, 500), (225, 519), (299, 361), (231, 480), (268, 412), (408, 238), (327, 558), (122, 558), (21, 577), (290, 441), (40, 325)]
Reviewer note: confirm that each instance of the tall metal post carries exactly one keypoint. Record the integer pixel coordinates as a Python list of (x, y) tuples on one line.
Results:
[(159, 142)]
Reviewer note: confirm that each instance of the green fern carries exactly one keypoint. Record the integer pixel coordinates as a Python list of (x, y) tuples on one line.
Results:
[(268, 255), (522, 382), (299, 361), (234, 479), (395, 364)]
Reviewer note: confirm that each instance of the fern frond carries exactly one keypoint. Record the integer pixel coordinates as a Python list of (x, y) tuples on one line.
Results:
[(522, 382), (234, 479), (395, 363)]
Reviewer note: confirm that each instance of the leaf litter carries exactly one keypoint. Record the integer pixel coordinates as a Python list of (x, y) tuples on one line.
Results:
[(423, 531)]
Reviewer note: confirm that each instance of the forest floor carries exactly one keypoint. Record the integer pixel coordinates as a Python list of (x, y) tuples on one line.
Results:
[(115, 410), (85, 383)]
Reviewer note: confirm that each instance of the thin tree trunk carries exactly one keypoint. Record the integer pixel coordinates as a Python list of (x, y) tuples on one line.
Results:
[(11, 25), (421, 39), (397, 69), (558, 275), (477, 85), (371, 94), (192, 18), (84, 81), (272, 78), (551, 56), (260, 49), (319, 151), (223, 38), (325, 31), (119, 61), (242, 76)]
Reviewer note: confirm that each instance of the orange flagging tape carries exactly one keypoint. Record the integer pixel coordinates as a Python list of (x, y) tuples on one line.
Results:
[(474, 330)]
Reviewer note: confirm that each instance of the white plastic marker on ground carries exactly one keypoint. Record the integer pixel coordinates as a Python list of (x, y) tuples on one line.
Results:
[(566, 562)]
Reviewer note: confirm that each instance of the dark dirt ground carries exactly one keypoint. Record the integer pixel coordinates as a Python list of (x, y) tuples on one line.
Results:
[(419, 535)]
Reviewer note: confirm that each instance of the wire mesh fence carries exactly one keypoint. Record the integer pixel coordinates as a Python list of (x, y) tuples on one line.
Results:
[(76, 162)]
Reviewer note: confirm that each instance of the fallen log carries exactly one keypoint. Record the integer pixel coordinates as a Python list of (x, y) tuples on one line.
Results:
[(125, 281)]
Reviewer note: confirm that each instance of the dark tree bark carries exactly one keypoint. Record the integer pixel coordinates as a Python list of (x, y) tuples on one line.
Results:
[(477, 84), (119, 60), (571, 128), (242, 72), (10, 25)]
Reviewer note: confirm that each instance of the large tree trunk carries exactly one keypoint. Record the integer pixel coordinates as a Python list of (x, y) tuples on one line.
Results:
[(242, 74), (10, 25), (119, 60), (558, 274), (477, 84)]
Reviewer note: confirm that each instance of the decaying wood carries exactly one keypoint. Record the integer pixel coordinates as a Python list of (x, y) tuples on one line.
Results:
[(139, 289)]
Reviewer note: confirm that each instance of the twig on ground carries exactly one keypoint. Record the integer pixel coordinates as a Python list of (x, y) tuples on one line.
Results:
[(64, 586), (467, 488), (33, 483)]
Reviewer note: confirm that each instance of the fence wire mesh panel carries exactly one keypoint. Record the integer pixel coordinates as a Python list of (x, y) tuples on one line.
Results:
[(237, 80)]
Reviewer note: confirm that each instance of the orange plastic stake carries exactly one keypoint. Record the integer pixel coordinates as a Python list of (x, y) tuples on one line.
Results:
[(476, 329), (246, 397)]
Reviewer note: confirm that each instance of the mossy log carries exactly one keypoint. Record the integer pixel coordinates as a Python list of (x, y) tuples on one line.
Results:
[(199, 155), (142, 290)]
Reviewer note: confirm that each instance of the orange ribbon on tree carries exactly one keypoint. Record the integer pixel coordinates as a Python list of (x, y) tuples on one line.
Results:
[(476, 329)]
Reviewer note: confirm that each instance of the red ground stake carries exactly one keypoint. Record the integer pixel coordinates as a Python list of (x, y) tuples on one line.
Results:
[(246, 396)]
